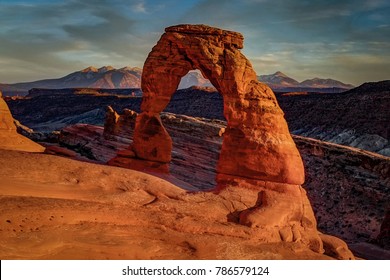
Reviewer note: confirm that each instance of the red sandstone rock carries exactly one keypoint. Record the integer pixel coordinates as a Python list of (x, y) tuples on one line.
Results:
[(151, 140), (79, 210), (336, 248), (128, 160), (110, 122), (257, 143), (117, 125), (6, 119), (56, 150), (273, 205), (9, 138)]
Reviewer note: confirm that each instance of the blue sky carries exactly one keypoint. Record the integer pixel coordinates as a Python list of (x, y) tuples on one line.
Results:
[(348, 40)]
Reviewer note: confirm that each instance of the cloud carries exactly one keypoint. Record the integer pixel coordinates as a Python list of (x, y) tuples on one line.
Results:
[(107, 34), (140, 7), (293, 21), (302, 38), (312, 33), (66, 35)]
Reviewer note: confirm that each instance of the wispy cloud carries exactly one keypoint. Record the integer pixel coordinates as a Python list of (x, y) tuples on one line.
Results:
[(140, 7)]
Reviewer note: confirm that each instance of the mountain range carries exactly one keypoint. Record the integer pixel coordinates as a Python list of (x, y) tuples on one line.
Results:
[(279, 80), (90, 77), (130, 77)]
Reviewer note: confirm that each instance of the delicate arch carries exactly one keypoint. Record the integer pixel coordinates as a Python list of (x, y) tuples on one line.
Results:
[(257, 143)]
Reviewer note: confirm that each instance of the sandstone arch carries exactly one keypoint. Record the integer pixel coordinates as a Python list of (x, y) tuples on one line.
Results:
[(260, 171), (257, 144)]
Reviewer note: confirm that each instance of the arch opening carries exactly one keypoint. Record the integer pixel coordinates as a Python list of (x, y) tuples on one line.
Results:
[(196, 130), (194, 78)]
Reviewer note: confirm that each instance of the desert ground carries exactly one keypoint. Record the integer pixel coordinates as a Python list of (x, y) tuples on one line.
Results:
[(59, 208)]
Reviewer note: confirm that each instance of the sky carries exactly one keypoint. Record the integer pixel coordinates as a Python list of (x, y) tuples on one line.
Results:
[(347, 40)]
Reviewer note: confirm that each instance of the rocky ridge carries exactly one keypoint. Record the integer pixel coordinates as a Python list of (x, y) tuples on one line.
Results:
[(340, 119), (356, 118)]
